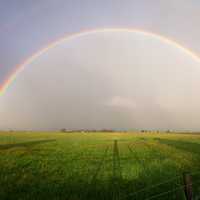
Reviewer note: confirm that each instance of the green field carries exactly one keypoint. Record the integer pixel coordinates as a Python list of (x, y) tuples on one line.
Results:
[(97, 165)]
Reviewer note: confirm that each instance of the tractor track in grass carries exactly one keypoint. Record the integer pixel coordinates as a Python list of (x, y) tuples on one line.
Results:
[(116, 161), (151, 148), (93, 181), (135, 154), (98, 169), (139, 160), (117, 173)]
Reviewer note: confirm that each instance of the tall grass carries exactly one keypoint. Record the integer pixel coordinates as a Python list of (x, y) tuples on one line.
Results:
[(94, 166)]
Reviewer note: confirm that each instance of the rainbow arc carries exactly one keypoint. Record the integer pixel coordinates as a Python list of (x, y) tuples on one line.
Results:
[(17, 69)]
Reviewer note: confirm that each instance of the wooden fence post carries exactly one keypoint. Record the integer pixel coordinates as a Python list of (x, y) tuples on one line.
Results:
[(187, 179)]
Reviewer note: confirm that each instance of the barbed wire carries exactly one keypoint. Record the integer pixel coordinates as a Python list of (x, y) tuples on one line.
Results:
[(159, 184), (153, 186), (170, 191)]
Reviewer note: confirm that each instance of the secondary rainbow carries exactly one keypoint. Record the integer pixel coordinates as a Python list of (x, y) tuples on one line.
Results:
[(21, 66)]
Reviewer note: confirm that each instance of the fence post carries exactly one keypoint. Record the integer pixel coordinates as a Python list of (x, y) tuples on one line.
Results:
[(187, 179)]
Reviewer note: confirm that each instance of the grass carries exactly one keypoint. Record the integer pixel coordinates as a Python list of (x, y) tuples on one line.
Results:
[(97, 165)]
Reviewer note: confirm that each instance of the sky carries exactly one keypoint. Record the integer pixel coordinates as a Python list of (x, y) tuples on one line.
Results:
[(104, 80)]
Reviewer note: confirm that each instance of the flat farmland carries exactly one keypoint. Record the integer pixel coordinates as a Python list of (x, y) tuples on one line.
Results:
[(80, 166)]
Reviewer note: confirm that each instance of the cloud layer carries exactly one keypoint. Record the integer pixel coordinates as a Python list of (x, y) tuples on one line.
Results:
[(106, 80)]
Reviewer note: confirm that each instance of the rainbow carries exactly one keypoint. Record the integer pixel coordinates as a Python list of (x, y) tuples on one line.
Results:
[(17, 69)]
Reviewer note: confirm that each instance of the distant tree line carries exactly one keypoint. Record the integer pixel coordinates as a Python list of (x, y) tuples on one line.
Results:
[(64, 130)]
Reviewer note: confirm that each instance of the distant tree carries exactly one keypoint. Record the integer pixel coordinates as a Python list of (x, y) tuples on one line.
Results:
[(63, 130)]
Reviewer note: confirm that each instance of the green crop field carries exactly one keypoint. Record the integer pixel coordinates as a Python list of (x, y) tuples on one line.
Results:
[(98, 165)]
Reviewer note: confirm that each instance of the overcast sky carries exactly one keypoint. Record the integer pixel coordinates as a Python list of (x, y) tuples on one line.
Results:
[(103, 80)]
